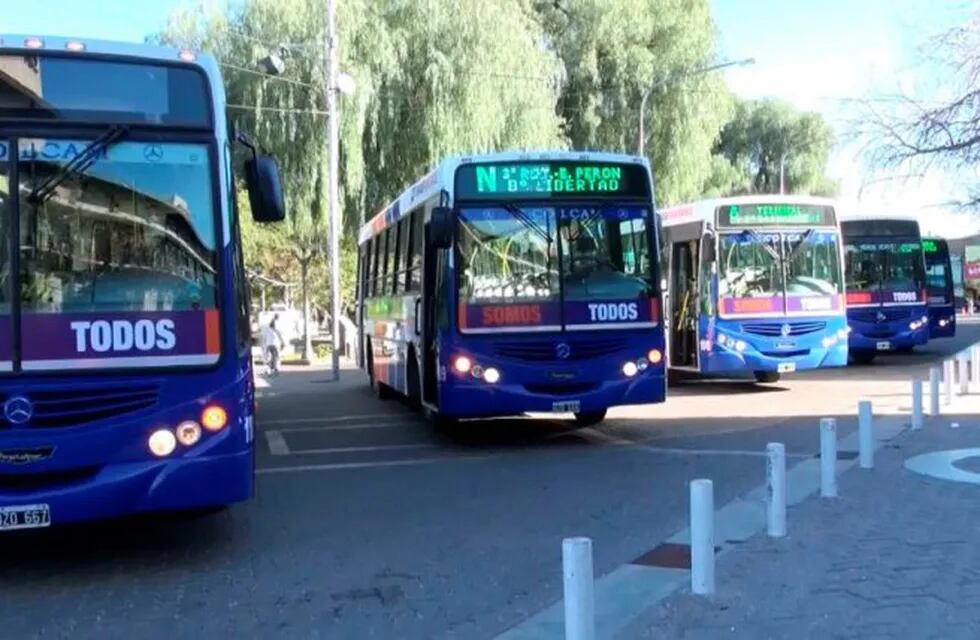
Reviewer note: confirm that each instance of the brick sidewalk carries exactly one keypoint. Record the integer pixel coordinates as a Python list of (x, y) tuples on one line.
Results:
[(896, 556)]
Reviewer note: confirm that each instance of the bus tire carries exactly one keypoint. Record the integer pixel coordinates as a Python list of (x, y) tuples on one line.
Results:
[(412, 379), (441, 423), (767, 376), (380, 389), (589, 418), (863, 357)]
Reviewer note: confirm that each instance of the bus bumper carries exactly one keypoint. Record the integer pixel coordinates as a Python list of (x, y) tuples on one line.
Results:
[(484, 400), (140, 487), (724, 361), (893, 338)]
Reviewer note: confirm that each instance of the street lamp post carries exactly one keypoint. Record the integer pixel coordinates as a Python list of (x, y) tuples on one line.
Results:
[(641, 139)]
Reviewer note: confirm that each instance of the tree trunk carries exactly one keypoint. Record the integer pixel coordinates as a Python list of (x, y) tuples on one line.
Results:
[(304, 266)]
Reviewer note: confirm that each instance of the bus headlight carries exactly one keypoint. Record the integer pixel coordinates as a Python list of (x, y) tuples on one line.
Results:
[(943, 322), (740, 345), (842, 333), (188, 433), (162, 443), (491, 375), (630, 369), (723, 340), (829, 341), (915, 324), (462, 364)]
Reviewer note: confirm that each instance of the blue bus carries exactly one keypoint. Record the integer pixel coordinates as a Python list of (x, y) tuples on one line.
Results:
[(125, 371), (516, 282), (886, 285), (755, 287), (940, 292)]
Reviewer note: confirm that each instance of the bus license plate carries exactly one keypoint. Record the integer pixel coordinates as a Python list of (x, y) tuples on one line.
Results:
[(786, 367), (884, 346), (566, 406), (28, 516)]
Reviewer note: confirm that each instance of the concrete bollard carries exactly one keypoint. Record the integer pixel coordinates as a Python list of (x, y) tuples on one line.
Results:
[(702, 537), (828, 457), (934, 391), (776, 483), (579, 588), (963, 374), (916, 403), (866, 444), (948, 382), (975, 367)]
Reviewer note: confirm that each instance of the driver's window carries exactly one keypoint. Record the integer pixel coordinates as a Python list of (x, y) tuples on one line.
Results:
[(704, 279)]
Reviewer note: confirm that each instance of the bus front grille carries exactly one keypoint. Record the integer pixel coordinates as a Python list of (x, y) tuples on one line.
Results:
[(70, 407), (561, 389), (775, 329), (887, 315), (16, 483), (549, 351)]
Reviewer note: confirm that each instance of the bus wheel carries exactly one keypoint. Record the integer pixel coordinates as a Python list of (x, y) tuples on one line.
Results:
[(414, 390), (441, 423), (767, 376), (863, 357), (589, 418)]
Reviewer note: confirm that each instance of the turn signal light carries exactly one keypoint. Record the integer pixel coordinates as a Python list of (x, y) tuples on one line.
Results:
[(214, 418), (655, 356), (188, 433), (462, 364)]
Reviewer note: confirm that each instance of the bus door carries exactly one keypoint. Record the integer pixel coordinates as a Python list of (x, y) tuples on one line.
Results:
[(433, 276), (684, 305)]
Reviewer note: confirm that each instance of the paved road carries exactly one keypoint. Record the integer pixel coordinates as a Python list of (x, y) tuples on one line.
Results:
[(367, 524)]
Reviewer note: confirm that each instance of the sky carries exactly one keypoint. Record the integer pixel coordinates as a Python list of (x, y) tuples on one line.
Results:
[(819, 55)]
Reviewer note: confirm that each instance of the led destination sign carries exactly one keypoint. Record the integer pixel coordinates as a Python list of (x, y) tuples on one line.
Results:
[(775, 215), (543, 180)]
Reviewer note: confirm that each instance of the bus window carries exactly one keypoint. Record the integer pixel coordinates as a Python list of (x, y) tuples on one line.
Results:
[(401, 253), (749, 266), (415, 251)]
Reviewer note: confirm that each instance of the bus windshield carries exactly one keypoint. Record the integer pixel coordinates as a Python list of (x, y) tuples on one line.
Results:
[(568, 261), (939, 281), (885, 271), (129, 240), (773, 272)]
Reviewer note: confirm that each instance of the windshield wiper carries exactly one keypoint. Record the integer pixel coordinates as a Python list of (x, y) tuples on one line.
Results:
[(762, 243), (80, 163), (799, 247), (526, 220)]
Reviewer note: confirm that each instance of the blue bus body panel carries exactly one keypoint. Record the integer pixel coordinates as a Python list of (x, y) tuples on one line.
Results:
[(809, 343), (872, 328), (942, 321), (104, 468), (532, 379)]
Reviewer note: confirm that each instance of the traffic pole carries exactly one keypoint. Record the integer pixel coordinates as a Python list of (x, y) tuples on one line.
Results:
[(948, 382), (579, 588), (776, 483), (828, 457), (916, 403), (866, 448), (934, 391), (702, 537)]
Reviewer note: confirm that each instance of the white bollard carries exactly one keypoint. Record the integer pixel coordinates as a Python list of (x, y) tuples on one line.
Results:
[(963, 374), (916, 403), (702, 537), (776, 482), (934, 391), (828, 457), (576, 560), (866, 444), (948, 382), (975, 367)]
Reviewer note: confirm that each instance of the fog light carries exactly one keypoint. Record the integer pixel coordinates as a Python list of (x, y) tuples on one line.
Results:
[(214, 418), (491, 375), (723, 339), (477, 372), (188, 433), (462, 364), (630, 369), (740, 346), (642, 364), (655, 356), (162, 443)]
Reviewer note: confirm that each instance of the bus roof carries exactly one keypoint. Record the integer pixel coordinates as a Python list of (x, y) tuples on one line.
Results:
[(441, 179), (865, 217), (17, 43), (704, 210)]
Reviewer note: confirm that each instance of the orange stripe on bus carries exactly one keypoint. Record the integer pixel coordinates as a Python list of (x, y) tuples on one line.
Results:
[(461, 315), (212, 332)]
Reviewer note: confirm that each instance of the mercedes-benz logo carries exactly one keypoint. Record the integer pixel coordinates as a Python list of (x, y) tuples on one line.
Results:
[(785, 330), (153, 152), (18, 410), (562, 350), (881, 317)]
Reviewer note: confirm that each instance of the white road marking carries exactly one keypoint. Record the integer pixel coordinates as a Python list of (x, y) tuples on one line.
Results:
[(365, 465), (350, 427), (277, 444), (640, 444), (385, 447), (262, 383)]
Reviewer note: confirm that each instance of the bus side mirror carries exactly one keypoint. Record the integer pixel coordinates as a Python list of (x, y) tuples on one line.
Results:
[(264, 189), (708, 242), (441, 228)]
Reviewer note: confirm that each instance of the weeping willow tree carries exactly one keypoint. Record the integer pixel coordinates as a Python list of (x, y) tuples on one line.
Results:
[(615, 51)]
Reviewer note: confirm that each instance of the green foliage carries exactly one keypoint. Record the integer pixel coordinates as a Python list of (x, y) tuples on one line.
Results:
[(615, 51), (760, 136)]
